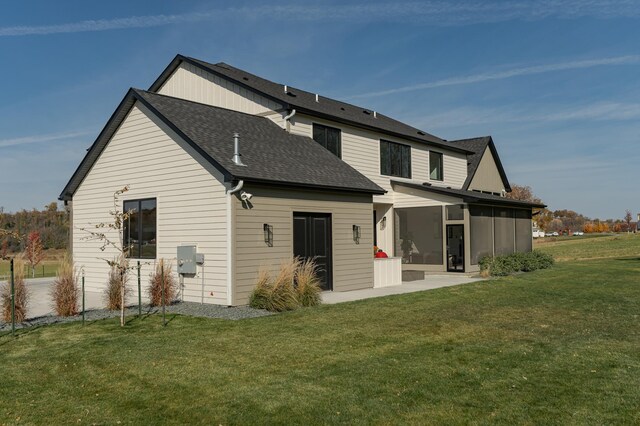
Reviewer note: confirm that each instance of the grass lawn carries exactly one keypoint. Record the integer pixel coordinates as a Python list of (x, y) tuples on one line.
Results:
[(557, 346), (591, 246)]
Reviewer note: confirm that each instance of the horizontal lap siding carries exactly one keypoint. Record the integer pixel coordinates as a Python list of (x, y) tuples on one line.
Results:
[(191, 203), (192, 83), (361, 150), (352, 263)]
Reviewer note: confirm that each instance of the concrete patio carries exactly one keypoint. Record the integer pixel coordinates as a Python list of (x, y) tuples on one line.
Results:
[(429, 283)]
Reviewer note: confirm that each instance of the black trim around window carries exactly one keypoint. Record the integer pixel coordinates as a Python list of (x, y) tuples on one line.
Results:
[(395, 159), (436, 166), (140, 228), (329, 137)]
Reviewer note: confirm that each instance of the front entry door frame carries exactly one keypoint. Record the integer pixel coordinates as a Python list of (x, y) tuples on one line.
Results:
[(312, 246), (455, 255)]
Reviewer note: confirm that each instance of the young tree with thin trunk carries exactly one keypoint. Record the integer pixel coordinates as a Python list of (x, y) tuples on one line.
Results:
[(110, 235), (34, 252), (628, 218)]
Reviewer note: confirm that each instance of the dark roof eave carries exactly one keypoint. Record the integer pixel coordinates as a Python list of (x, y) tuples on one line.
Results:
[(107, 133), (471, 197), (250, 179)]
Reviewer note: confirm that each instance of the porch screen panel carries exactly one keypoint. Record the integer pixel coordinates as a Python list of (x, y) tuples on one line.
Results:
[(524, 231), (481, 232), (419, 235), (504, 231)]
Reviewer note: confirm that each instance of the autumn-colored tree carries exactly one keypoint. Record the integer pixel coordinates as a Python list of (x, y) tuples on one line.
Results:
[(542, 217), (34, 252)]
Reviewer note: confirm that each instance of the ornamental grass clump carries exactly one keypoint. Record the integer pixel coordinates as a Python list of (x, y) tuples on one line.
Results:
[(65, 289), (307, 283), (283, 295), (162, 275), (117, 291), (280, 293), (21, 294)]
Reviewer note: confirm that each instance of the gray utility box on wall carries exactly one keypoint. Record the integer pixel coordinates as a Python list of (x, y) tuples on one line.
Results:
[(188, 258)]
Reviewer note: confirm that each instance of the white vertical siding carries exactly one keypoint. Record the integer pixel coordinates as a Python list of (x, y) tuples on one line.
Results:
[(192, 83), (352, 263), (145, 154)]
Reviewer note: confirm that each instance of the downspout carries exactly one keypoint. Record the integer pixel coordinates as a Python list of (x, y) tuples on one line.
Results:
[(231, 241), (287, 126)]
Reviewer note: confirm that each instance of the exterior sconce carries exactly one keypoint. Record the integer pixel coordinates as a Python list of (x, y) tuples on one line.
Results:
[(383, 223), (356, 234), (268, 234)]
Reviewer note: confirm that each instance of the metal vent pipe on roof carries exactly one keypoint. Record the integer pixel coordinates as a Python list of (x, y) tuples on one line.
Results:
[(236, 150), (317, 98), (285, 88)]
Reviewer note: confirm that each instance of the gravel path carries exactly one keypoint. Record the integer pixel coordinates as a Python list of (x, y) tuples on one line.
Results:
[(181, 308)]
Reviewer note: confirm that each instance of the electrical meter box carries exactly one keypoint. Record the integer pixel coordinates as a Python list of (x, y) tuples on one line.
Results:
[(187, 260)]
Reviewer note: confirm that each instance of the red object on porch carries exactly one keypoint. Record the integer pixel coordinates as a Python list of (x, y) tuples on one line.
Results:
[(381, 254)]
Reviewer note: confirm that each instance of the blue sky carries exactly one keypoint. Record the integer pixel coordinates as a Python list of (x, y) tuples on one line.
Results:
[(556, 83)]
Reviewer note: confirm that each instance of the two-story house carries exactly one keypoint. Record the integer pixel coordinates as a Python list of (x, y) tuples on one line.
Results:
[(250, 172)]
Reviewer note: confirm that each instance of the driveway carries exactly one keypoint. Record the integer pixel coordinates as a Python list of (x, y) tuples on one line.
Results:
[(40, 302)]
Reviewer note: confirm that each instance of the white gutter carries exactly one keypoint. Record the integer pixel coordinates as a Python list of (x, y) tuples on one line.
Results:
[(231, 241), (287, 118)]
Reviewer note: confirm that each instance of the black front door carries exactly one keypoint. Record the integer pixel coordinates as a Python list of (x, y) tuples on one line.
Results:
[(312, 239), (455, 248)]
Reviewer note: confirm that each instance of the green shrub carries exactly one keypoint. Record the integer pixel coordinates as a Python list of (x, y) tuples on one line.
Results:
[(517, 262)]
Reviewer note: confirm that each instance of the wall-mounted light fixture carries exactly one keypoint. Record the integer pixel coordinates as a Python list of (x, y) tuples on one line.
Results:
[(268, 234), (383, 223), (356, 234)]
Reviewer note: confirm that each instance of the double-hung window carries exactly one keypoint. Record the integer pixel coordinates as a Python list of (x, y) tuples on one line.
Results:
[(140, 228), (435, 166), (395, 159), (328, 137)]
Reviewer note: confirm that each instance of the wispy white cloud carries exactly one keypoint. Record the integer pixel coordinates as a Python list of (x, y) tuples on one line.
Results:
[(600, 111), (439, 13), (42, 138), (501, 75)]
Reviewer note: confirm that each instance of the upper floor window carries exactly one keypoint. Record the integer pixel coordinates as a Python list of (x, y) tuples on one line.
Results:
[(395, 159), (328, 137), (435, 166), (139, 230)]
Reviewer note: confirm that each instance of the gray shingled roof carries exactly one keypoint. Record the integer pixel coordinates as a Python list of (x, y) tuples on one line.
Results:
[(271, 154), (305, 102), (478, 146), (472, 197)]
